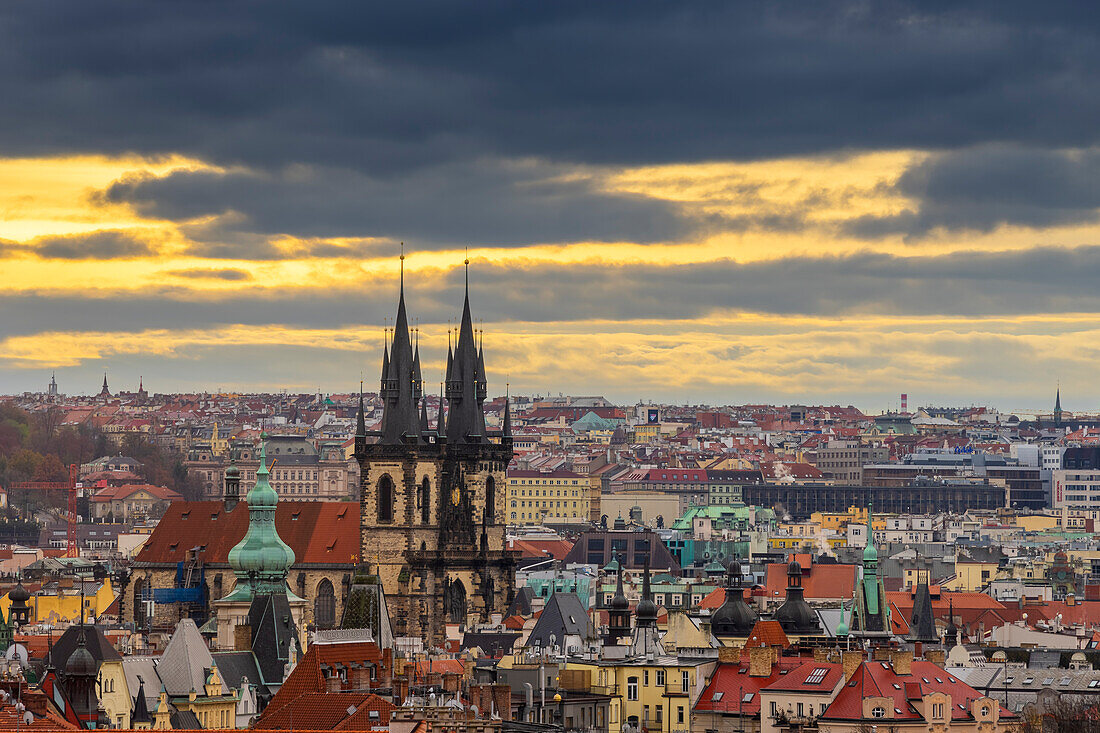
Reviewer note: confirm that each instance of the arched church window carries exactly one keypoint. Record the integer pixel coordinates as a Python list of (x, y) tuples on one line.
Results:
[(324, 606), (490, 500), (385, 499)]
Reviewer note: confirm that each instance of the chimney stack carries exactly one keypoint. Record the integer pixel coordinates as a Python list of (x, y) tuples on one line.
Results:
[(761, 661), (850, 663)]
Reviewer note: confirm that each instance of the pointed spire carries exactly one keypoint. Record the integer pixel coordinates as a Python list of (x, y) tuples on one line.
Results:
[(440, 422), (401, 388), (424, 415), (466, 387), (507, 418), (360, 418)]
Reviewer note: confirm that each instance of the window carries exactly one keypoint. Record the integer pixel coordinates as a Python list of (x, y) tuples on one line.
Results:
[(659, 713), (385, 499), (878, 712), (324, 606), (717, 697), (660, 678), (680, 714), (632, 688), (426, 501), (748, 697), (817, 676), (685, 685), (645, 678)]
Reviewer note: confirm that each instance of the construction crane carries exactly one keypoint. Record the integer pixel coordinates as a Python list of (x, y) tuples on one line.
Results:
[(71, 549)]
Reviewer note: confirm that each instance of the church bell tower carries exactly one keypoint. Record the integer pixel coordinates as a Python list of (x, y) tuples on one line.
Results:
[(432, 499)]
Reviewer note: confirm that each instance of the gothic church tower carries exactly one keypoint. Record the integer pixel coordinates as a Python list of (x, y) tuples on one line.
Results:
[(433, 499)]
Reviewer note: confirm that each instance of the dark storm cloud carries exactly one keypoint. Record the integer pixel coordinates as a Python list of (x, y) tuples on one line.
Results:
[(963, 284), (389, 86), (486, 202), (982, 188), (107, 244)]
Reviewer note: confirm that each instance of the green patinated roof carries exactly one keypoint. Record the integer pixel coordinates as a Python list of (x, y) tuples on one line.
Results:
[(261, 560)]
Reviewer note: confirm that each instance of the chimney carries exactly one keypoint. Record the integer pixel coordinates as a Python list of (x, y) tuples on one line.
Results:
[(902, 661), (936, 656), (242, 638), (332, 684), (821, 654), (502, 701), (851, 662), (881, 654), (359, 677), (385, 673), (400, 689), (761, 661), (729, 654), (450, 681)]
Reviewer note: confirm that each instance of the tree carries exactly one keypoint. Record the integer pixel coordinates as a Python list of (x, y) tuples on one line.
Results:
[(50, 468)]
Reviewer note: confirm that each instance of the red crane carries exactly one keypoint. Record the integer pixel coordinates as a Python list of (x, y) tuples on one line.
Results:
[(69, 486)]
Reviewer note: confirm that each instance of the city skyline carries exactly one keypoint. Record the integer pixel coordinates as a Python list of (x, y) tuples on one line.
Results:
[(773, 204)]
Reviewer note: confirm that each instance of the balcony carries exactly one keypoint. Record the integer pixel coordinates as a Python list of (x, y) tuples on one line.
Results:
[(612, 690), (676, 689)]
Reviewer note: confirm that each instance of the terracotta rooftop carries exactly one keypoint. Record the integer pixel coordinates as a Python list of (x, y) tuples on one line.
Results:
[(319, 532), (878, 679)]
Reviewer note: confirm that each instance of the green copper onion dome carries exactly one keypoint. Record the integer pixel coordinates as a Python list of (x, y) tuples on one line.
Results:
[(870, 554), (261, 560)]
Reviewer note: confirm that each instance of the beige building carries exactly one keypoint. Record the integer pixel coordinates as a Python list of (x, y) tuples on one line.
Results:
[(549, 497)]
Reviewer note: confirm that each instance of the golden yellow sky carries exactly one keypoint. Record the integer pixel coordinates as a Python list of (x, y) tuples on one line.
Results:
[(745, 354)]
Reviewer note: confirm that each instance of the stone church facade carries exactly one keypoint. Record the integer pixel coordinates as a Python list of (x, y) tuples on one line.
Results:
[(432, 498)]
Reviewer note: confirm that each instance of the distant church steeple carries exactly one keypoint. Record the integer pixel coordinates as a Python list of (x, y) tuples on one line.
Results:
[(1058, 407), (105, 392)]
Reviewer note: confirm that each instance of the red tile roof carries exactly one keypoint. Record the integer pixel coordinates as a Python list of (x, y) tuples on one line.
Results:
[(733, 683), (126, 490), (767, 632), (819, 580), (327, 711), (307, 677), (796, 678), (878, 679), (319, 532), (437, 666), (541, 548)]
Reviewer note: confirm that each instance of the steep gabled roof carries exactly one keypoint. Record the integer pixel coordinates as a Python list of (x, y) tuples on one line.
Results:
[(183, 666), (564, 615), (319, 532)]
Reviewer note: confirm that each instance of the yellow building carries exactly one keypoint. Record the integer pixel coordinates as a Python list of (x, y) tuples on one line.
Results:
[(656, 694), (838, 520), (212, 708), (554, 497), (971, 576), (114, 694), (63, 604), (1037, 522)]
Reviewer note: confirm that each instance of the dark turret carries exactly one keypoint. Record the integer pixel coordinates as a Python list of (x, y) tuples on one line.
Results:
[(466, 386), (19, 612), (79, 678), (795, 615), (618, 617), (922, 623), (401, 388), (734, 617), (232, 486), (952, 632)]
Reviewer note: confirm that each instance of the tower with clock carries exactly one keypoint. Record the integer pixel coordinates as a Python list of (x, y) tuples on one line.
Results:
[(432, 497)]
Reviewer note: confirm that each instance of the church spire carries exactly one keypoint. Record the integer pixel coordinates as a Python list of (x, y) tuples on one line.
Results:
[(401, 387), (465, 386), (1058, 406), (261, 560)]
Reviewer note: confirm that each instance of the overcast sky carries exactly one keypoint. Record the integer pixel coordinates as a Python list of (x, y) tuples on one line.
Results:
[(692, 202)]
